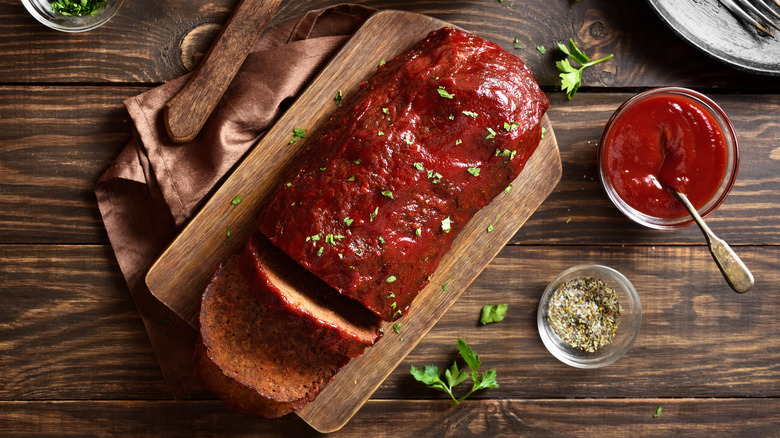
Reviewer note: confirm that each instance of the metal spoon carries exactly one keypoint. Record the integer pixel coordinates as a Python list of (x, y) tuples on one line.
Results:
[(736, 273)]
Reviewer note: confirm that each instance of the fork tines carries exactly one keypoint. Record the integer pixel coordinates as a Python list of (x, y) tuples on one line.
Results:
[(743, 9)]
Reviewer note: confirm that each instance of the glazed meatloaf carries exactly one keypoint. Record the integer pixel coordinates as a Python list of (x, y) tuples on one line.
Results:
[(307, 303), (255, 349), (375, 202)]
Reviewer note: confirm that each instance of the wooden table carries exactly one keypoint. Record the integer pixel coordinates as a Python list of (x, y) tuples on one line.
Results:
[(75, 358)]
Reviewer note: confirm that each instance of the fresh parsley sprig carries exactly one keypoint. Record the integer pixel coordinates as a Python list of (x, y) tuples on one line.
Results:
[(571, 77), (76, 7), (430, 374)]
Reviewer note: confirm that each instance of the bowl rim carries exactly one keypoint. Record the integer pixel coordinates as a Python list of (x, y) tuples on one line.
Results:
[(601, 357), (111, 9), (729, 179)]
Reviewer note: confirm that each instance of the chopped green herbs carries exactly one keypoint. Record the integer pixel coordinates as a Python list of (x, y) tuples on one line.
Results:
[(380, 133), (451, 117), (391, 295), (382, 62), (430, 374), (544, 131), (491, 134), (338, 98), (511, 126), (458, 141), (390, 279), (331, 238), (319, 251), (228, 232), (236, 200), (418, 232), (571, 77), (314, 238), (382, 240), (489, 228), (387, 194), (446, 224), (474, 171), (357, 161), (584, 313), (348, 221), (471, 114), (658, 412), (408, 139), (419, 166), (508, 188), (386, 110), (493, 313), (76, 7), (397, 327), (444, 287), (351, 178), (443, 93), (541, 49), (373, 214), (298, 134)]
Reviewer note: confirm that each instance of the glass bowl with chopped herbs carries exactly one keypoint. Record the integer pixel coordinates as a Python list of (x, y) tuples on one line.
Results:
[(73, 15), (589, 316)]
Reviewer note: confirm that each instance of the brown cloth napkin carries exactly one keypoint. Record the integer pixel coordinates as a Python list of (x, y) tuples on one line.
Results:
[(154, 185)]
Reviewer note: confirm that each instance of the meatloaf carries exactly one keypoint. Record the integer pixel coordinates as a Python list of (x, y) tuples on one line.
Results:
[(255, 349), (307, 303), (404, 163)]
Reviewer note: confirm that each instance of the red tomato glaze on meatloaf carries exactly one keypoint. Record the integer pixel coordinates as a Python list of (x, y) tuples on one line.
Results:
[(403, 164)]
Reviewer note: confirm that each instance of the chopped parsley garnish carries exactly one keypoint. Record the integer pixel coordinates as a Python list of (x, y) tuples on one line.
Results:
[(544, 131), (451, 117), (398, 312), (393, 305), (397, 327), (351, 178), (471, 114), (408, 139), (289, 184), (391, 295), (76, 7), (511, 126), (314, 238), (348, 221), (298, 134), (382, 240), (418, 232), (380, 133), (508, 188), (373, 214), (474, 171), (357, 161), (382, 62), (331, 239), (443, 93), (490, 228), (430, 374), (444, 287), (446, 224), (493, 313), (227, 232), (458, 141), (338, 98), (571, 77), (387, 194), (319, 251), (390, 279), (658, 412), (236, 200), (491, 134), (386, 110), (541, 49), (419, 166)]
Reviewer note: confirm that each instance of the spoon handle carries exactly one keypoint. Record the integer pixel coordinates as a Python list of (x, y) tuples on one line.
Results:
[(731, 266)]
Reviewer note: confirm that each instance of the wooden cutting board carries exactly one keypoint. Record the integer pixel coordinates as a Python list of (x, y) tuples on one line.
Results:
[(181, 273)]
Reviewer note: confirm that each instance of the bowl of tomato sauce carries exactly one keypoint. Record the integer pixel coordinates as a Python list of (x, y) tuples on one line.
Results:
[(662, 140)]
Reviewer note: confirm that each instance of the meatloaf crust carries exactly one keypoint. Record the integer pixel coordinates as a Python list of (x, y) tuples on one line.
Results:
[(403, 164)]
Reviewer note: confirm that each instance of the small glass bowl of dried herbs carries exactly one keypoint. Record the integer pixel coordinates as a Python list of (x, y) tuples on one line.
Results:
[(589, 316), (73, 15)]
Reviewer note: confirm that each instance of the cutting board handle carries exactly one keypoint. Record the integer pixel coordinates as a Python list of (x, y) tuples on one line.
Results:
[(187, 111)]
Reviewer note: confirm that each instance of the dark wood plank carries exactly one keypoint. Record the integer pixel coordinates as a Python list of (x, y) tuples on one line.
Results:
[(69, 331), (143, 42), (418, 418), (56, 141)]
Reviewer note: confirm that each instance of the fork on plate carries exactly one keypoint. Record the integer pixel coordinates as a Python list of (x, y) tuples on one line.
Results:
[(749, 9)]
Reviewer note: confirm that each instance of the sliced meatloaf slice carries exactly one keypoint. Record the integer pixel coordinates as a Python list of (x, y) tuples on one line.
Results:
[(309, 303), (254, 347)]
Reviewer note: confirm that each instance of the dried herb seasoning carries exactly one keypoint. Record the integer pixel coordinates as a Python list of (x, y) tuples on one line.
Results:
[(584, 313)]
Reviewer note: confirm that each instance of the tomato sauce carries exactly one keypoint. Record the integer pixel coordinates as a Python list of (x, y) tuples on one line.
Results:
[(663, 143)]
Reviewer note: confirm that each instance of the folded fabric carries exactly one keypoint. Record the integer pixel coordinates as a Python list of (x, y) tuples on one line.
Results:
[(154, 186)]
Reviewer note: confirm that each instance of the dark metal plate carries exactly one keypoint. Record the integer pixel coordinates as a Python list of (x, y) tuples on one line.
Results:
[(713, 29)]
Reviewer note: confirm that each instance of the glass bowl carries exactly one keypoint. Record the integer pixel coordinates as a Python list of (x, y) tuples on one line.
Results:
[(722, 122), (627, 330), (41, 10)]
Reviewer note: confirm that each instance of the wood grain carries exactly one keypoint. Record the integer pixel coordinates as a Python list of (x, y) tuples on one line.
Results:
[(69, 331), (418, 418), (142, 44), (187, 111)]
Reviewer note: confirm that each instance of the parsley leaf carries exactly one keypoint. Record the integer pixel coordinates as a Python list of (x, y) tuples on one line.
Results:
[(493, 313), (298, 134), (443, 93), (446, 224), (338, 98), (571, 77), (387, 194), (474, 171), (430, 375), (236, 200)]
